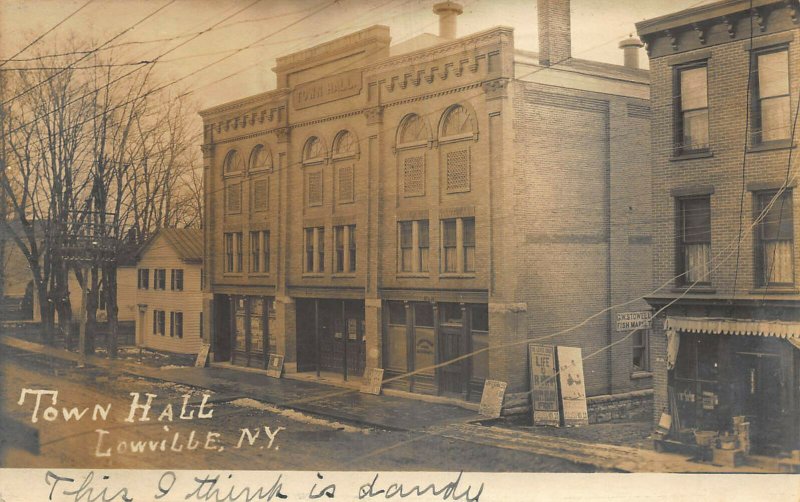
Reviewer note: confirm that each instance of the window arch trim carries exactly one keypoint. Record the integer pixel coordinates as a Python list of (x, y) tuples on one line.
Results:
[(470, 118), (308, 145), (232, 157), (267, 167), (401, 129), (340, 136)]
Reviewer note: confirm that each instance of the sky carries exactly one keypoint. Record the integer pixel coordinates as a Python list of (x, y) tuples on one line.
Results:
[(235, 57)]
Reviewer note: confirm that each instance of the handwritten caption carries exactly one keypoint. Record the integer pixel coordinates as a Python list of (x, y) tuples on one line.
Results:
[(224, 488)]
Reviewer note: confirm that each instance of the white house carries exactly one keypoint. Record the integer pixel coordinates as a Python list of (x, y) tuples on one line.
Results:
[(169, 291)]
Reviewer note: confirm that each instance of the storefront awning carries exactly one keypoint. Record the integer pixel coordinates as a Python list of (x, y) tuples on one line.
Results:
[(789, 331), (718, 326)]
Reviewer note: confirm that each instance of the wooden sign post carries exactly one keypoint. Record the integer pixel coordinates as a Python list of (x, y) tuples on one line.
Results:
[(573, 390), (202, 356), (275, 365), (544, 387), (492, 398), (373, 379)]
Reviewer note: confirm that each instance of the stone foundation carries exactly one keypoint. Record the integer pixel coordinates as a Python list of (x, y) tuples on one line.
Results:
[(635, 405)]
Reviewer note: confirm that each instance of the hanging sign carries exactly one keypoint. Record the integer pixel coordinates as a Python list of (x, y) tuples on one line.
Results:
[(492, 398), (202, 356), (373, 379), (275, 365), (573, 390), (544, 388)]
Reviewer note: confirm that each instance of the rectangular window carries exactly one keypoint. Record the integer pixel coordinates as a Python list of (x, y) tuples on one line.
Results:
[(406, 245), (255, 251), (201, 325), (641, 359), (315, 249), (265, 250), (338, 251), (423, 245), (469, 244), (144, 278), (160, 278), (233, 198), (771, 115), (449, 246), (694, 240), (260, 194), (692, 109), (352, 249), (176, 326), (228, 252), (239, 251), (202, 280), (774, 239), (176, 279), (159, 320), (397, 313)]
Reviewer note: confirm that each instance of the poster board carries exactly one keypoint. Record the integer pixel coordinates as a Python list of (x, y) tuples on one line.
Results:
[(275, 365), (571, 386), (544, 387), (202, 356), (492, 398), (373, 379)]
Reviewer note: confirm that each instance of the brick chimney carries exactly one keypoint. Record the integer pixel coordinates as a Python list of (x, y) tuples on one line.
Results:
[(447, 12), (554, 32), (631, 46)]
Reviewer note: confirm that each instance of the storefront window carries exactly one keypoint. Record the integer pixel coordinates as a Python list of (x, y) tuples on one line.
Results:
[(450, 313), (423, 315), (397, 313)]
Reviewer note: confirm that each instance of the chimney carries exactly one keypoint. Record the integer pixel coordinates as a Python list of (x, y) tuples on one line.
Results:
[(554, 32), (631, 47), (447, 12)]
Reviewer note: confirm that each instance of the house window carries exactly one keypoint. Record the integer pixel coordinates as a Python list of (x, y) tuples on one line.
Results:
[(201, 325), (774, 239), (176, 279), (314, 187), (160, 278), (771, 115), (228, 252), (458, 245), (239, 251), (449, 245), (469, 244), (345, 181), (414, 244), (159, 319), (144, 278), (641, 359), (255, 251), (345, 248), (265, 250), (176, 324), (260, 194), (694, 240), (202, 280), (692, 109), (315, 249)]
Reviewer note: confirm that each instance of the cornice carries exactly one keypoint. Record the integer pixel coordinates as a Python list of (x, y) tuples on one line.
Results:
[(276, 97)]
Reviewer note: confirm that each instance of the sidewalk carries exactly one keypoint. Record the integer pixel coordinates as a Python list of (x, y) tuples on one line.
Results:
[(393, 413)]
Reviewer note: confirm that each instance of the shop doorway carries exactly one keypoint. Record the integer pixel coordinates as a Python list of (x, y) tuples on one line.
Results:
[(453, 377), (760, 393), (330, 337)]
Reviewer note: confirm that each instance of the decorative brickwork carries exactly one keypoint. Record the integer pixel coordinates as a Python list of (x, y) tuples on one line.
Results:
[(414, 176), (458, 171)]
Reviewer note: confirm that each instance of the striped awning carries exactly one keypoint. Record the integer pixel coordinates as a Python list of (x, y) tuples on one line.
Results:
[(718, 326)]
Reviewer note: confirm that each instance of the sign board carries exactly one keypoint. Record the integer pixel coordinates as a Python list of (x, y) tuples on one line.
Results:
[(275, 365), (571, 385), (373, 379), (544, 387), (327, 89), (492, 398), (633, 320), (202, 356)]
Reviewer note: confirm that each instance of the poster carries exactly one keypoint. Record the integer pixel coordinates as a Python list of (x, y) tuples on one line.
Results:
[(544, 387), (573, 390), (492, 398)]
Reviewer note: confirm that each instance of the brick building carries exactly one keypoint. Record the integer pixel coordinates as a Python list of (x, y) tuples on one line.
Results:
[(399, 206), (725, 83)]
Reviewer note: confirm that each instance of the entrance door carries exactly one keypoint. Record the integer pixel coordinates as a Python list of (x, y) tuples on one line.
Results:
[(222, 328), (451, 376), (760, 389), (306, 335)]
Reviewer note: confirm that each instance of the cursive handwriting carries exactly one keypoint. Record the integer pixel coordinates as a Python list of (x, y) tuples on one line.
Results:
[(448, 491)]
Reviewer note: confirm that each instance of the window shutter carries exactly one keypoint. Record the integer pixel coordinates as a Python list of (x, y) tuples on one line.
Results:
[(315, 188), (413, 176), (260, 194), (346, 190), (458, 171)]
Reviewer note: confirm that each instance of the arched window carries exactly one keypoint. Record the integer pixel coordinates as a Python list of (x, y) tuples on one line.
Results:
[(233, 162), (260, 158), (413, 130), (313, 151), (457, 122), (345, 144)]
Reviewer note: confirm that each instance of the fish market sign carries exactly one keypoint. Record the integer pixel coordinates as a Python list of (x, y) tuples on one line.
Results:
[(633, 320), (327, 89)]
